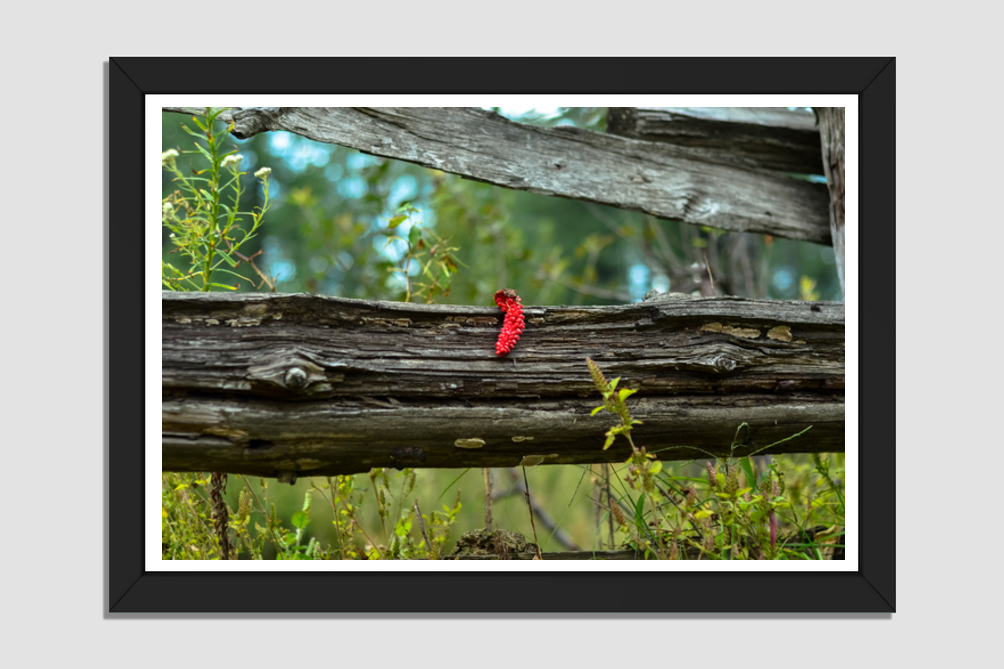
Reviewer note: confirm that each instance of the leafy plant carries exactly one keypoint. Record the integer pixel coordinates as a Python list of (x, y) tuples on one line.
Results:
[(203, 216), (735, 513), (425, 255), (405, 533)]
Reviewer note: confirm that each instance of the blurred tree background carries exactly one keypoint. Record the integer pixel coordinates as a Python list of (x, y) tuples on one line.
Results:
[(327, 232)]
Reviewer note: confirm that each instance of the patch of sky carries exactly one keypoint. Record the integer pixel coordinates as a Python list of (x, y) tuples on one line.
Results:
[(274, 191), (783, 278), (527, 114), (306, 152), (638, 281), (392, 249), (359, 161), (282, 270), (333, 172), (319, 264), (351, 187), (405, 188), (250, 160), (279, 143), (274, 261)]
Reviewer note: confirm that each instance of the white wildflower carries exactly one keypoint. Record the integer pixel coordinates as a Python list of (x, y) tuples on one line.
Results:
[(263, 172), (232, 160), (167, 158)]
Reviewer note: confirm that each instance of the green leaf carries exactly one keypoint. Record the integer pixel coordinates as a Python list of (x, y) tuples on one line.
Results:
[(656, 467), (748, 469), (639, 513), (288, 540), (414, 235), (226, 256), (403, 528), (625, 393), (396, 221), (597, 410), (300, 519), (613, 384)]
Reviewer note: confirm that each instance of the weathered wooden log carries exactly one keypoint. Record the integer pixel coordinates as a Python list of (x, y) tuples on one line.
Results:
[(773, 138), (831, 130), (664, 180), (297, 385)]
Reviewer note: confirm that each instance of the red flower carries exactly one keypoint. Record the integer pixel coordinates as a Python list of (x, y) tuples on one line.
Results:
[(514, 324)]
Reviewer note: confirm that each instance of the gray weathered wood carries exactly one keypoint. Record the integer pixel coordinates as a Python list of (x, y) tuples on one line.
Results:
[(296, 385), (831, 130), (664, 180), (773, 138)]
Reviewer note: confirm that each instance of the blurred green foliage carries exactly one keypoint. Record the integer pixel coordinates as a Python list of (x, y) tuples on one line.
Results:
[(327, 231)]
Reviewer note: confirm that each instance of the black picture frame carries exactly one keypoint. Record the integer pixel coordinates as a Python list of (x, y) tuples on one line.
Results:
[(872, 588)]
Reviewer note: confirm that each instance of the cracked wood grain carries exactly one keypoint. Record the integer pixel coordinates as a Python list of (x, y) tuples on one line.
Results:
[(772, 138), (831, 128), (274, 385), (667, 181)]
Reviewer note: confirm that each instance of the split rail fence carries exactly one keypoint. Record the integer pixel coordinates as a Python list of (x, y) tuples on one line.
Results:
[(298, 385)]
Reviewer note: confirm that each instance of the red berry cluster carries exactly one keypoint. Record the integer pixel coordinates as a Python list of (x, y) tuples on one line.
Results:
[(514, 324)]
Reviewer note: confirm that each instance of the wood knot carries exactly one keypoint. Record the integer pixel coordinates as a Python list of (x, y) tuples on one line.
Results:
[(724, 363), (408, 454), (296, 378)]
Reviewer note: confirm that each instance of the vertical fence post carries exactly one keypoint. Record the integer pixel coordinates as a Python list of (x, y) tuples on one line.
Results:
[(831, 132)]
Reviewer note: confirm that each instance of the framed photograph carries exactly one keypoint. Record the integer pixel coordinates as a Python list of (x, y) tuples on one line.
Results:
[(282, 361)]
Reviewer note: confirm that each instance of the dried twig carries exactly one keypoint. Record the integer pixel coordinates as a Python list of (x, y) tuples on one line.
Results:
[(220, 513), (488, 499), (543, 516), (425, 535), (707, 266), (529, 507)]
